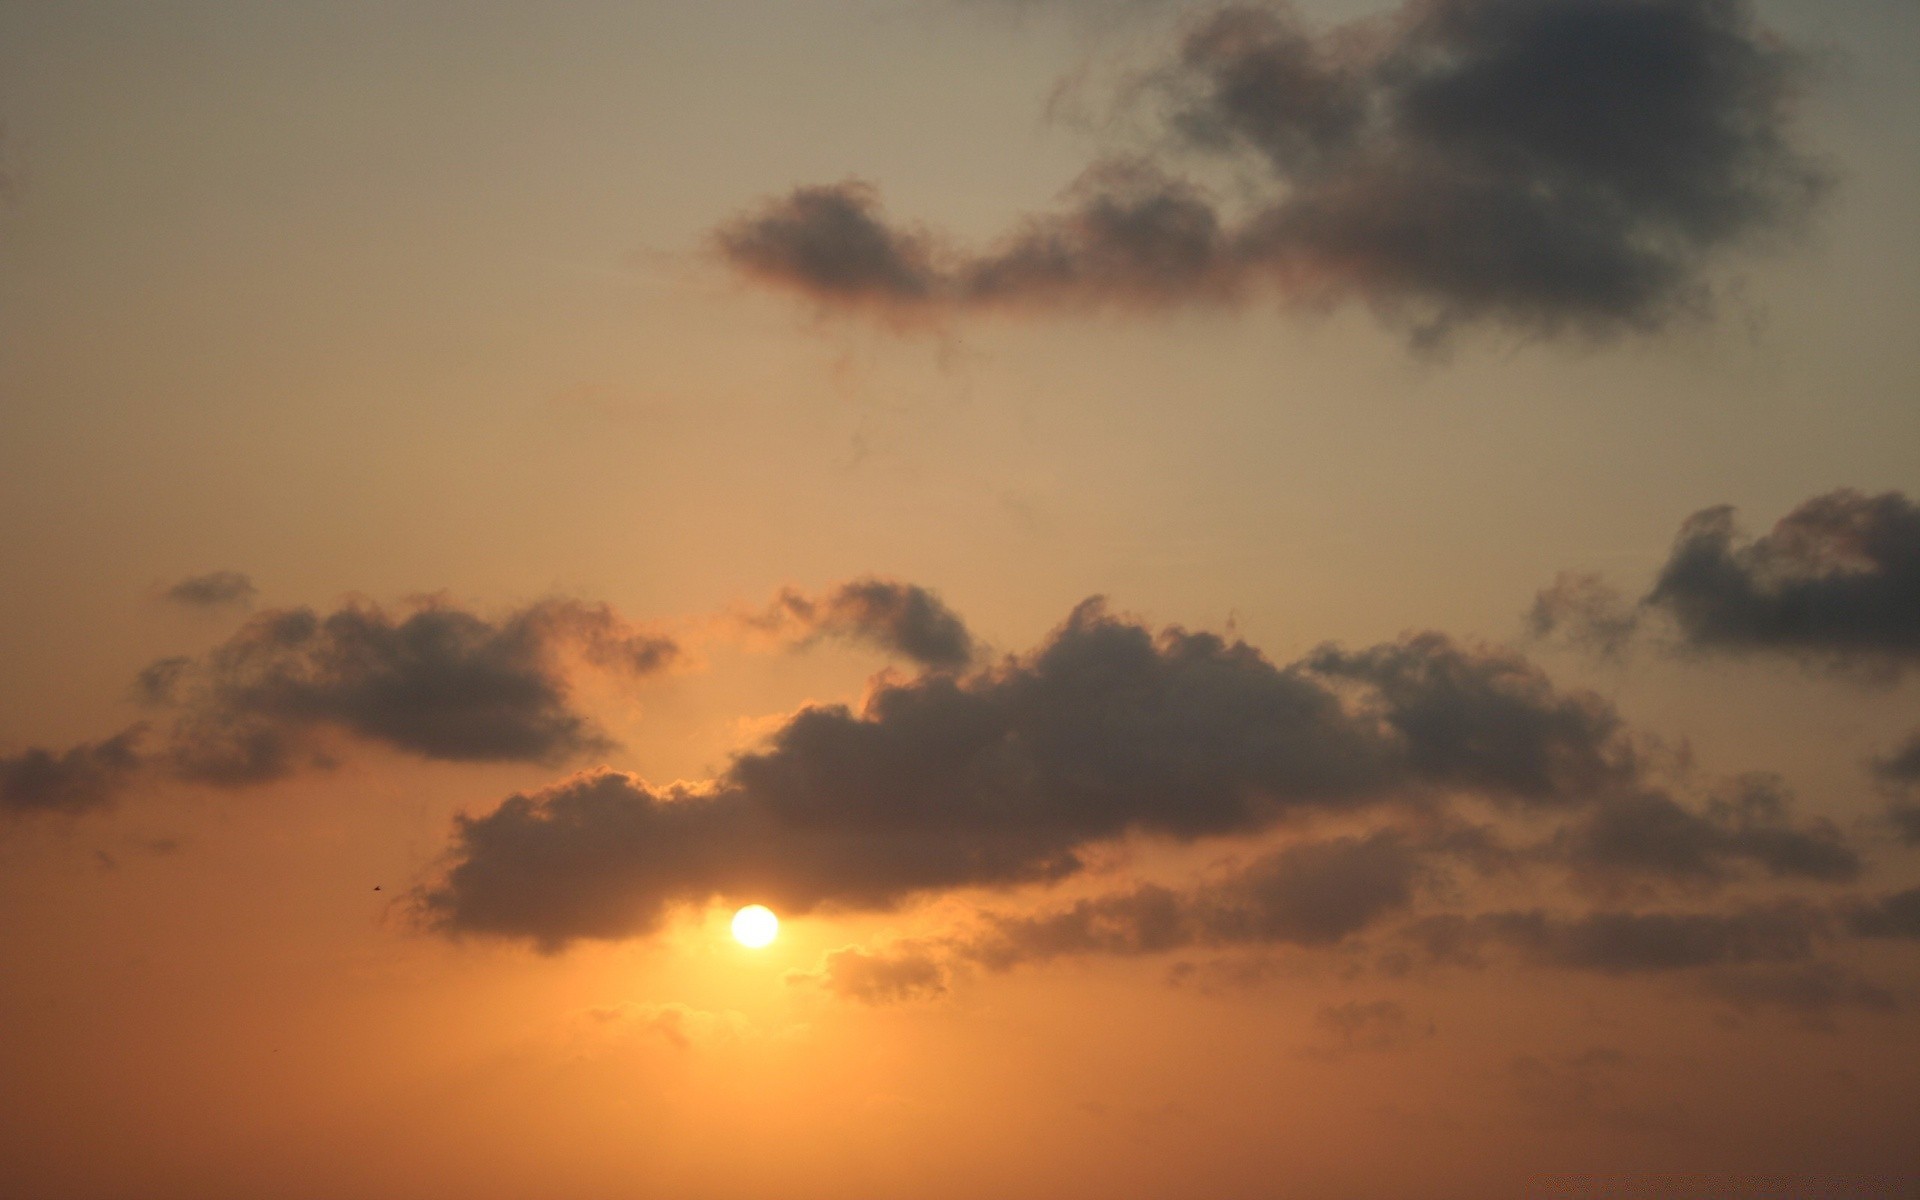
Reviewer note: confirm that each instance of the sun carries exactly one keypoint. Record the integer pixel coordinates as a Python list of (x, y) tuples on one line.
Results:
[(755, 926)]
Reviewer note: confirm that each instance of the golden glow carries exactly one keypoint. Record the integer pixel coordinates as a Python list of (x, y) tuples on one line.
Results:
[(755, 926)]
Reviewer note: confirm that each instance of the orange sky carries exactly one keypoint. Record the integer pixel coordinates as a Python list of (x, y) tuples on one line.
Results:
[(491, 489)]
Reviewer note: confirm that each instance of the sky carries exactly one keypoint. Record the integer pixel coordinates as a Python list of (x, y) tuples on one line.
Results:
[(1313, 601)]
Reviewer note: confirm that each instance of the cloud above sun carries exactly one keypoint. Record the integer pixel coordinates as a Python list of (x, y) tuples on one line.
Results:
[(1542, 166)]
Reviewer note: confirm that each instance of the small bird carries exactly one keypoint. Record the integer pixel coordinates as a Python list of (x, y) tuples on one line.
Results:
[(376, 887)]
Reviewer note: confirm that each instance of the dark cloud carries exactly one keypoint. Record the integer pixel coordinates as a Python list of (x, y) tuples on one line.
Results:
[(86, 777), (1488, 722), (1895, 916), (1006, 774), (1838, 577), (1836, 581), (1619, 943), (1540, 164), (436, 681), (1900, 771), (1308, 894), (215, 589), (1649, 834), (1815, 992), (900, 618)]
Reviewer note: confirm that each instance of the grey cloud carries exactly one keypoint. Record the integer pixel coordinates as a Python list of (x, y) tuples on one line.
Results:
[(1545, 165), (1585, 610), (901, 618), (1836, 581), (1838, 577), (1308, 894), (213, 590), (1894, 916), (1619, 943), (1815, 992), (1649, 834), (86, 777), (436, 681), (1488, 722), (1006, 774), (1901, 772)]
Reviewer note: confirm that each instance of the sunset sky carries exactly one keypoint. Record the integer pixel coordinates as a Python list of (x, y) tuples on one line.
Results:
[(1315, 601)]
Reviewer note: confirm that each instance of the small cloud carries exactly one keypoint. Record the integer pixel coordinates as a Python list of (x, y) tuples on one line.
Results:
[(216, 589)]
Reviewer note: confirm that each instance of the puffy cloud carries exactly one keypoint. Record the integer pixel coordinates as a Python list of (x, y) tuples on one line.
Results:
[(215, 589), (1007, 774), (1838, 577), (1837, 581), (1540, 164), (436, 681), (900, 618), (86, 777)]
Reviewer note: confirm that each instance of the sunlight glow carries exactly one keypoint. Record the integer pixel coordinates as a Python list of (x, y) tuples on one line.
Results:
[(755, 926)]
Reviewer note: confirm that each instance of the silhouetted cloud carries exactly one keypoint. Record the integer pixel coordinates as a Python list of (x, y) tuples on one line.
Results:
[(436, 681), (1540, 164), (1837, 581), (1307, 894), (1838, 576), (86, 777), (900, 618), (215, 589), (1648, 833), (1004, 775)]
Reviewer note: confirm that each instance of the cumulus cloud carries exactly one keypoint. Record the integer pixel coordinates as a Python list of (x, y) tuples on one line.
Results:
[(899, 618), (1545, 165), (1008, 774), (433, 680), (436, 681), (1837, 580), (216, 589), (1838, 576), (85, 777)]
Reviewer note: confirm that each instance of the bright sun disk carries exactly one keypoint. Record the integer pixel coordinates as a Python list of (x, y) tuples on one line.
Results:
[(755, 926)]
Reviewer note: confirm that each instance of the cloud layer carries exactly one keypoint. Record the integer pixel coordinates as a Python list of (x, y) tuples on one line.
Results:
[(1544, 165), (1009, 774)]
